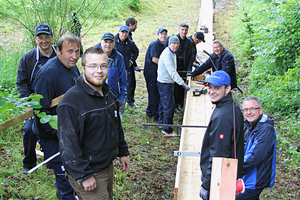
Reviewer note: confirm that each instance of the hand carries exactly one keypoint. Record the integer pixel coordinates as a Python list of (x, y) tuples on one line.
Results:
[(89, 184), (186, 87), (125, 163), (29, 109), (137, 69), (203, 193)]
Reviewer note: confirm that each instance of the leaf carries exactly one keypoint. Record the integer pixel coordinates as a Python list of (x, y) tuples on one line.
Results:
[(2, 102), (45, 119)]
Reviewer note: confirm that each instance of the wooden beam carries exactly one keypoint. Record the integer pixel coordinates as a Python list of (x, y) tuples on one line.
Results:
[(223, 179), (27, 115)]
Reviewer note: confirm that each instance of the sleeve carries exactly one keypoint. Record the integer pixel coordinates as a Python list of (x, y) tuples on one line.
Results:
[(220, 143), (22, 82), (122, 79), (205, 66), (134, 52), (170, 63), (190, 56), (227, 63), (46, 89), (263, 142), (69, 144)]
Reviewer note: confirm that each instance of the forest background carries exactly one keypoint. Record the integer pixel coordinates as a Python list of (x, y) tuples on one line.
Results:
[(263, 35)]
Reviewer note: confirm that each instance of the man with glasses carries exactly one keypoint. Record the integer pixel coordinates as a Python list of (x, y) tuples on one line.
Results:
[(260, 150), (224, 133), (90, 134), (116, 69), (53, 80), (29, 65)]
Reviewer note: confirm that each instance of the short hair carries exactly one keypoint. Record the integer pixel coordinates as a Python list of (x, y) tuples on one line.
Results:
[(218, 41), (131, 21), (255, 99), (70, 38), (92, 50)]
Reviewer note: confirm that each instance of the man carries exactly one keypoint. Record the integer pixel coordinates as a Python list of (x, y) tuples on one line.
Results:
[(116, 69), (196, 39), (221, 59), (166, 76), (222, 138), (260, 150), (130, 52), (53, 80), (90, 134), (132, 25), (184, 63), (29, 65), (150, 72)]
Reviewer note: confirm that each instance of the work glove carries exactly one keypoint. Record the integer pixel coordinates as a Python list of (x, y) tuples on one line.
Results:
[(136, 68), (203, 193), (188, 74), (186, 87)]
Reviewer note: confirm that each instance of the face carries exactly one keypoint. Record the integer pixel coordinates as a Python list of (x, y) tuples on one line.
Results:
[(123, 35), (183, 31), (107, 46), (196, 40), (174, 46), (133, 27), (69, 54), (162, 36), (218, 49), (95, 71), (44, 41), (252, 116), (217, 92)]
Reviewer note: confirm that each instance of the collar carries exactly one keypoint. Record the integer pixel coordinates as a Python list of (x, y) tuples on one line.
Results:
[(172, 51), (251, 126)]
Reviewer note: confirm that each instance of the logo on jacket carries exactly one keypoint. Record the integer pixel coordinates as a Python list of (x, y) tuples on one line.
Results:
[(222, 136)]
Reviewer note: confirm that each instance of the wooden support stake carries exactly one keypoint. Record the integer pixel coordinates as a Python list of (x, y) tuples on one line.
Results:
[(223, 179)]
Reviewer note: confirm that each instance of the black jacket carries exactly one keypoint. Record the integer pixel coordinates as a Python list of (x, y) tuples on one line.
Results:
[(89, 130), (225, 63), (193, 49), (218, 140)]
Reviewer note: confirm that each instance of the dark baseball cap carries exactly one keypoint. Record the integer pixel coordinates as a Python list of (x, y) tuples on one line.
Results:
[(200, 36), (124, 28), (161, 30), (184, 24), (108, 36), (43, 28), (219, 78)]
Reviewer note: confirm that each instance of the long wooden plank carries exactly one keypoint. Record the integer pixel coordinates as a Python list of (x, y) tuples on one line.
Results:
[(26, 115)]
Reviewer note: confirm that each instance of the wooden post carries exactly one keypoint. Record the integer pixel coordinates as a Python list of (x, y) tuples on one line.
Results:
[(223, 179)]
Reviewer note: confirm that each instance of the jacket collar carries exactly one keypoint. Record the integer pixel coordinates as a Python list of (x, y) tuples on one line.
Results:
[(89, 90)]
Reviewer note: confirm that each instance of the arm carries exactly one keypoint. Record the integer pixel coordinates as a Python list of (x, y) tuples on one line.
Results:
[(134, 53), (22, 82), (205, 66), (227, 63), (190, 56), (170, 64), (122, 80), (263, 142)]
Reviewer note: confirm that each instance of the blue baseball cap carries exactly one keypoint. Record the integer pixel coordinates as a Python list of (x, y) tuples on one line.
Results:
[(184, 24), (219, 78), (161, 30), (43, 28), (108, 36), (124, 28)]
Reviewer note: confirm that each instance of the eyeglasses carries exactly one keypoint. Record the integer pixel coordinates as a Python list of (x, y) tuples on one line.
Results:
[(250, 109), (40, 39), (95, 67)]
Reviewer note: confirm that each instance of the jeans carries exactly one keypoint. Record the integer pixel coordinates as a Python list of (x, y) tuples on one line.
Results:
[(166, 105), (153, 97), (29, 144), (131, 84), (50, 147)]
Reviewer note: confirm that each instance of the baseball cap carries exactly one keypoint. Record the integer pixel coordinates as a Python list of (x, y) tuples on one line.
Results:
[(108, 36), (173, 38), (200, 36), (124, 28), (43, 28), (161, 30), (184, 24), (219, 78)]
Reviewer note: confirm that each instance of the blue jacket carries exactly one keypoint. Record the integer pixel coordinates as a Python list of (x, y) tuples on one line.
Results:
[(116, 74), (128, 49), (225, 63), (260, 154)]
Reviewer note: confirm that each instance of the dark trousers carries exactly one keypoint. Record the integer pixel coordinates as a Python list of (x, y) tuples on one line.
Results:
[(50, 147), (131, 84), (166, 105), (179, 95), (249, 195), (29, 144), (153, 97)]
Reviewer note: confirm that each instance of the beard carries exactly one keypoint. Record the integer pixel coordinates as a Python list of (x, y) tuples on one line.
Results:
[(94, 83)]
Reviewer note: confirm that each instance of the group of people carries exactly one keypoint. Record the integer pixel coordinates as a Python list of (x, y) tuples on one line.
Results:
[(93, 103)]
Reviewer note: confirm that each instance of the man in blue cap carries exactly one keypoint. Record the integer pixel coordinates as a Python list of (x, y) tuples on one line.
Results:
[(224, 134), (29, 65), (150, 72), (116, 69), (130, 53)]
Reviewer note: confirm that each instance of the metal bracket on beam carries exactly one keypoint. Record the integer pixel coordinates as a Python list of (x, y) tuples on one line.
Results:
[(186, 153)]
